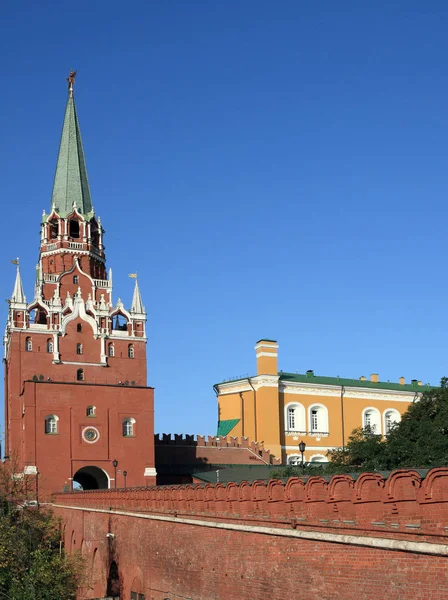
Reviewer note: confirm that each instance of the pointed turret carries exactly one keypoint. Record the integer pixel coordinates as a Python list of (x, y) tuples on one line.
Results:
[(18, 296), (137, 304), (71, 187)]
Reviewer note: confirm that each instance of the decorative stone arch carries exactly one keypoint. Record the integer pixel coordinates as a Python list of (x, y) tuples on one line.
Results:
[(390, 416), (294, 459), (92, 477), (318, 458), (78, 311), (74, 222), (371, 416), (53, 227), (295, 417), (119, 310), (39, 306), (321, 424)]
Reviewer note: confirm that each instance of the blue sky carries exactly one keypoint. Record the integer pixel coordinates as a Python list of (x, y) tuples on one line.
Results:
[(271, 169)]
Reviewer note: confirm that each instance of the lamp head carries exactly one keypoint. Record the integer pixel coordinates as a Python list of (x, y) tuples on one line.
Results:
[(302, 447), (115, 463)]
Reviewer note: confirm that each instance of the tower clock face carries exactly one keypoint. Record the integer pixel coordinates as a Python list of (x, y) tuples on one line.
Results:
[(90, 435)]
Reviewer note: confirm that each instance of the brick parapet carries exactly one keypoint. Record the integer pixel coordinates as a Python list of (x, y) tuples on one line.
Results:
[(210, 449), (404, 505)]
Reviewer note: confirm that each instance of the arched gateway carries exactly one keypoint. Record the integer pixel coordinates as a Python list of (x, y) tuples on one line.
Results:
[(91, 478)]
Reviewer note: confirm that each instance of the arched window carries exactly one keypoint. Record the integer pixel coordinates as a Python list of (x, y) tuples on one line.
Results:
[(119, 322), (391, 418), (76, 279), (74, 229), (294, 459), (91, 411), (51, 424), (78, 348), (79, 327), (130, 351), (29, 344), (128, 427), (53, 226), (318, 458), (49, 345), (80, 375), (318, 419), (371, 420), (295, 417), (111, 350)]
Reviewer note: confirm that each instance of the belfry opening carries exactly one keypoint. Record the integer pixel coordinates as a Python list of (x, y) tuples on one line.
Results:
[(91, 478)]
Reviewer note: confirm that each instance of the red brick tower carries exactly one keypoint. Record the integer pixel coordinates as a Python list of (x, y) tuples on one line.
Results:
[(75, 365)]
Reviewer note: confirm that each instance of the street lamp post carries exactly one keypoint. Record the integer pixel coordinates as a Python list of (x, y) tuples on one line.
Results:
[(125, 473), (302, 447), (115, 465)]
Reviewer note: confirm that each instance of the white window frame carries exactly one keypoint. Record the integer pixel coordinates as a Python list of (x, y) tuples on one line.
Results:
[(131, 351), (28, 344), (299, 417), (294, 460), (111, 350), (375, 419), (322, 419), (51, 424), (128, 427), (50, 346), (395, 413)]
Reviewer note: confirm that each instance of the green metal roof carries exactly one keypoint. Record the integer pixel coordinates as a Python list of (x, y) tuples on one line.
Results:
[(225, 427), (342, 381), (70, 181)]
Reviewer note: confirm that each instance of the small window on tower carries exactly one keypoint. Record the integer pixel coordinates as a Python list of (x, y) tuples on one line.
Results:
[(75, 279), (78, 348), (79, 327), (28, 344), (53, 230), (128, 427), (74, 229), (131, 351), (49, 345), (90, 412), (80, 375), (51, 424), (111, 350)]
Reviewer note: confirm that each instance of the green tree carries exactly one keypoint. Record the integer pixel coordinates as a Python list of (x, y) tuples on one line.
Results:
[(364, 452), (421, 437), (33, 564)]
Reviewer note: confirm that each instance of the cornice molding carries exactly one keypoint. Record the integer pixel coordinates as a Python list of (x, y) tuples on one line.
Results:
[(308, 389)]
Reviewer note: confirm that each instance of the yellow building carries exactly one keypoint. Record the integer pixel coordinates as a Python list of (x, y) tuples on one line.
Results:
[(281, 409)]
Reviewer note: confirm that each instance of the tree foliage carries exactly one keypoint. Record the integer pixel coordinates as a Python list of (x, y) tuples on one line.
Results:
[(33, 564)]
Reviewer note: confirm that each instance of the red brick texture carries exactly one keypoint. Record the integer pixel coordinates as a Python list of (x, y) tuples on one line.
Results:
[(186, 450), (307, 541)]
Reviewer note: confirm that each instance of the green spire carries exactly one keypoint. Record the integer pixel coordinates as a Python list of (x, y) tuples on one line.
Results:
[(70, 181)]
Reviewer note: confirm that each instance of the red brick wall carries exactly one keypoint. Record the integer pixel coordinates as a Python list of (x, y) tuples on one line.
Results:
[(59, 456), (191, 554), (202, 451)]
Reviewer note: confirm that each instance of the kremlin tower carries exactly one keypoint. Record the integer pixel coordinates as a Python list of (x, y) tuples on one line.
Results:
[(78, 411)]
